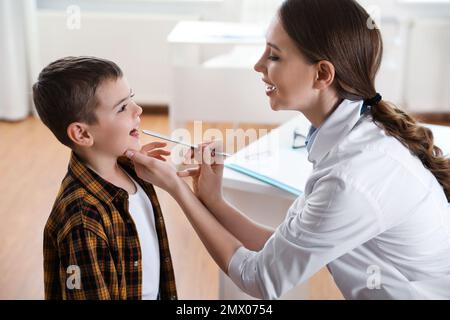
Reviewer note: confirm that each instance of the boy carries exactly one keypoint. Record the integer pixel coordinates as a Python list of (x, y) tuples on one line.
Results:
[(105, 237)]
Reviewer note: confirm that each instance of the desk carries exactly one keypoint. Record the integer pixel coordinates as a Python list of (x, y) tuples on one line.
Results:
[(213, 32), (195, 42), (268, 205), (213, 76)]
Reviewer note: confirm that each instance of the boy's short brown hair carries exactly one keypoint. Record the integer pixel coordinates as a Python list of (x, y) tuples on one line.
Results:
[(65, 92)]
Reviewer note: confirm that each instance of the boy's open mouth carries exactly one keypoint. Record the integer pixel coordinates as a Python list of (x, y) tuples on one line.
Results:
[(134, 133)]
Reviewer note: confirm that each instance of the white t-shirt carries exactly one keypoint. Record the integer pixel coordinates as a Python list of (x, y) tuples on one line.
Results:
[(141, 210)]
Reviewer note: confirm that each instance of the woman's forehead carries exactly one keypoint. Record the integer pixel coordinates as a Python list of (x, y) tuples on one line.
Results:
[(277, 36)]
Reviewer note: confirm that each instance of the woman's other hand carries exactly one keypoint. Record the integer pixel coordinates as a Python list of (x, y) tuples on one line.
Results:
[(154, 149), (151, 166), (207, 176)]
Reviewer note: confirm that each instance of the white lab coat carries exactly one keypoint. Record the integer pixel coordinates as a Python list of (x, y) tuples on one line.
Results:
[(371, 212)]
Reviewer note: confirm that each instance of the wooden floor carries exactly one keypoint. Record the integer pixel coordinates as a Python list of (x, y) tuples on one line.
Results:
[(31, 169)]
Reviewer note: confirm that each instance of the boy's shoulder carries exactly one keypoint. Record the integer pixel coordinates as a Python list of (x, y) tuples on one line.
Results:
[(84, 200), (74, 208)]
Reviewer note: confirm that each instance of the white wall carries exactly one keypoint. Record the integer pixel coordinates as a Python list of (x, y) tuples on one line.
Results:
[(133, 33), (137, 42), (428, 80), (224, 10), (415, 68)]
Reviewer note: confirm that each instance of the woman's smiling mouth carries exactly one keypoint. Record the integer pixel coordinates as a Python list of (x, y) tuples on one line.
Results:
[(270, 88)]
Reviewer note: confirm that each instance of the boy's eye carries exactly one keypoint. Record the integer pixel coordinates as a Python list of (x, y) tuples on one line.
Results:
[(123, 108)]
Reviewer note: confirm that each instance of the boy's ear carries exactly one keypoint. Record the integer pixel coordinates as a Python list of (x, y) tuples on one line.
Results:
[(325, 74), (80, 135)]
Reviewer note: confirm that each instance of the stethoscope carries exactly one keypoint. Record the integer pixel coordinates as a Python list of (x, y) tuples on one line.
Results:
[(299, 141)]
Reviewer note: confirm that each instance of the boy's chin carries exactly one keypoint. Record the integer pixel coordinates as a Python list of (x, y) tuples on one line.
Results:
[(136, 146)]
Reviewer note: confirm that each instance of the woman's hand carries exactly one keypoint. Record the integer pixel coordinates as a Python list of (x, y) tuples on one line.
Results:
[(151, 166), (153, 149), (207, 177)]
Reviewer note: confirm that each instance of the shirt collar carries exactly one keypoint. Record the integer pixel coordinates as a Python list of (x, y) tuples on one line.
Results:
[(310, 137), (334, 129), (96, 185)]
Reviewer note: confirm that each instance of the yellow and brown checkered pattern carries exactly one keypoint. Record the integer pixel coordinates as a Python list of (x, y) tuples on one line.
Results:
[(91, 234)]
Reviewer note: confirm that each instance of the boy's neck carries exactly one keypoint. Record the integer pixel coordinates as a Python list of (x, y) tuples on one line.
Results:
[(104, 165)]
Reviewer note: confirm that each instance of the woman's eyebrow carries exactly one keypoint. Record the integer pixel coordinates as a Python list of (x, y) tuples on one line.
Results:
[(273, 46)]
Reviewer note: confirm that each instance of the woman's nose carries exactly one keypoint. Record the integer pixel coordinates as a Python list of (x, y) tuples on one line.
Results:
[(259, 66)]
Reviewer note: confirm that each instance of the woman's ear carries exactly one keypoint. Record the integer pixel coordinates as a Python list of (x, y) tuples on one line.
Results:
[(325, 73), (78, 133)]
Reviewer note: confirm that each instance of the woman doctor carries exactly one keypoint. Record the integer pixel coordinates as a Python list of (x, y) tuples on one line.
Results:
[(377, 200)]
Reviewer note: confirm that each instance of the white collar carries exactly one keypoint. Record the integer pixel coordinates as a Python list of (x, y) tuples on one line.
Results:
[(334, 129)]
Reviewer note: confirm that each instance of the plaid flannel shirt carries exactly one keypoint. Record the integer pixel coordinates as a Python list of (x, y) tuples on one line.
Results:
[(91, 245)]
